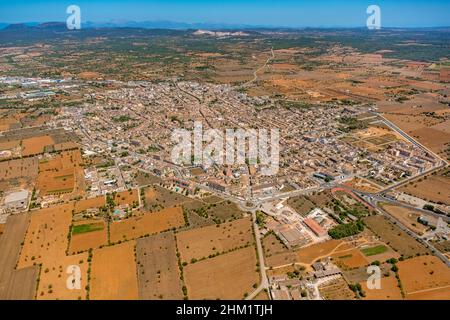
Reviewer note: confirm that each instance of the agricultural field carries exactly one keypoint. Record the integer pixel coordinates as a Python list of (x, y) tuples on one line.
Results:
[(272, 245), (113, 273), (425, 277), (11, 169), (88, 235), (46, 243), (374, 139), (157, 268), (262, 296), (373, 251), (301, 205), (61, 174), (363, 185), (146, 224), (305, 256), (336, 290), (434, 188), (201, 243), (145, 179), (395, 237), (426, 129), (389, 290), (47, 235), (407, 217), (215, 212), (130, 197), (350, 259), (158, 198), (227, 276), (20, 283), (36, 145), (85, 204)]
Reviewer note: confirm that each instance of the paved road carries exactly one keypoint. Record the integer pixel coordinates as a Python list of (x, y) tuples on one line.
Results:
[(437, 253), (379, 198), (262, 267), (408, 137)]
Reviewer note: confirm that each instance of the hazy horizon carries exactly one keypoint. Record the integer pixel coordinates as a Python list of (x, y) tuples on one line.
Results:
[(264, 13)]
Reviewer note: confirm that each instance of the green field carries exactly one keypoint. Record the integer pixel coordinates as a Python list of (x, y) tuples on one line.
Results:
[(374, 250), (84, 228)]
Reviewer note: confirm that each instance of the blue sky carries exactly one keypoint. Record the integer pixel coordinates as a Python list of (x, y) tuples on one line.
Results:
[(290, 13)]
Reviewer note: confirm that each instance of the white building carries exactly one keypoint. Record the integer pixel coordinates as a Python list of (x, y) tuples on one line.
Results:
[(17, 200)]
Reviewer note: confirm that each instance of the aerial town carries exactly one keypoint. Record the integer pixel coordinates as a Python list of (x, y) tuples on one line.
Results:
[(93, 205)]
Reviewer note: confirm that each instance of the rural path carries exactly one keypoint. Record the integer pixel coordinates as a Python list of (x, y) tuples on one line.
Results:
[(255, 74)]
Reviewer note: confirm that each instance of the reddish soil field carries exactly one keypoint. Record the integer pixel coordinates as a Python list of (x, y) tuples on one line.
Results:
[(389, 290), (146, 224), (202, 242), (36, 145), (228, 276), (89, 240), (15, 284), (27, 167), (423, 275), (46, 243), (127, 197), (113, 273), (82, 205), (350, 259)]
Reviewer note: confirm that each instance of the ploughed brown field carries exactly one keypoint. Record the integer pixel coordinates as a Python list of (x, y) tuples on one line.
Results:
[(157, 268), (20, 283)]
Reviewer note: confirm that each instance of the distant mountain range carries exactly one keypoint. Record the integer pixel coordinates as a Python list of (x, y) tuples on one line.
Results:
[(134, 24), (170, 25)]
